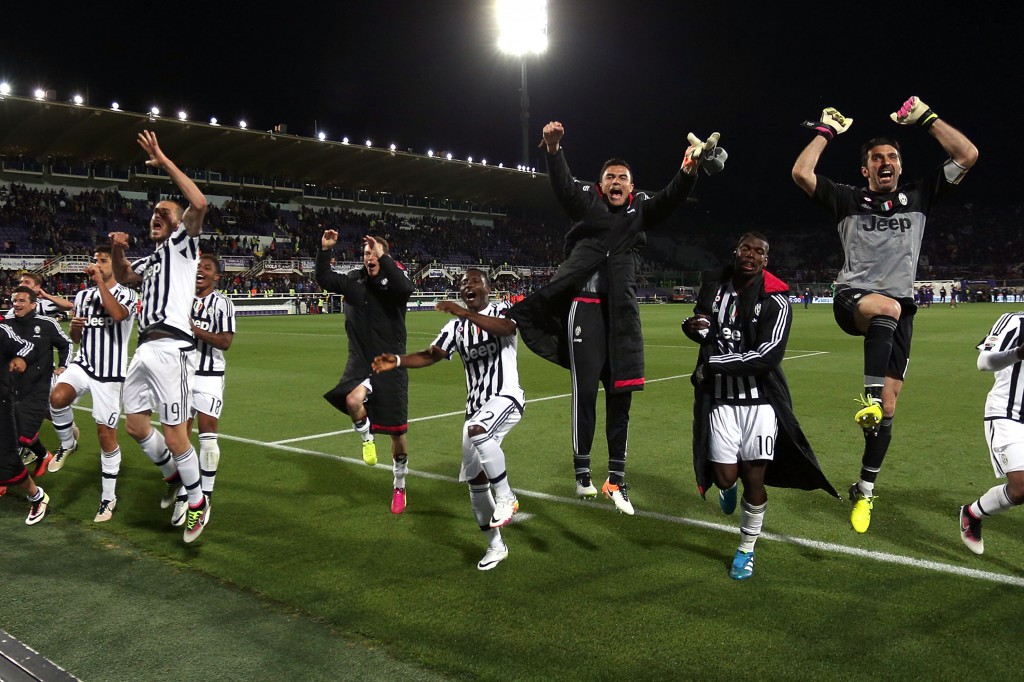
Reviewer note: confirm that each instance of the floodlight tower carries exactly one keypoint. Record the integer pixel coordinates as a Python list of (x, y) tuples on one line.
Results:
[(523, 30)]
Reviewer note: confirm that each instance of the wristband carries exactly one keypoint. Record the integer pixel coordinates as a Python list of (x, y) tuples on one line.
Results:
[(823, 129), (398, 361), (928, 119)]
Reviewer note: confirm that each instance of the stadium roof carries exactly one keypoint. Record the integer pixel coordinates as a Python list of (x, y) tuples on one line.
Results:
[(45, 129)]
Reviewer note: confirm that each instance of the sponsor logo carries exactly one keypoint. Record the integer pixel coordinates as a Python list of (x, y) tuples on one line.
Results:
[(151, 271), (882, 224), (482, 350), (99, 322), (579, 331), (730, 334)]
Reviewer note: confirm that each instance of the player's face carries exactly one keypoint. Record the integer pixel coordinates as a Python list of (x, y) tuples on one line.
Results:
[(27, 281), (165, 218), (22, 304), (883, 168), (616, 185), (370, 261), (206, 276), (103, 264), (751, 257), (474, 291)]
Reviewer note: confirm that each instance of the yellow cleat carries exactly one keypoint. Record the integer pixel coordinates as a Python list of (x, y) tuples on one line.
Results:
[(369, 453), (870, 414), (860, 517)]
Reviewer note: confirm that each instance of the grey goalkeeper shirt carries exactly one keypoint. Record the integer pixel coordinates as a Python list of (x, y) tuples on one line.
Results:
[(882, 232)]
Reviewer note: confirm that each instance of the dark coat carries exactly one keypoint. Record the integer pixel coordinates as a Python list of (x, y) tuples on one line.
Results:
[(605, 239), (794, 464)]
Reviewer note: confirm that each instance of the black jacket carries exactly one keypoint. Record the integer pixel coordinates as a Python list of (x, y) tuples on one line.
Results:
[(794, 464), (45, 334), (374, 310), (606, 239)]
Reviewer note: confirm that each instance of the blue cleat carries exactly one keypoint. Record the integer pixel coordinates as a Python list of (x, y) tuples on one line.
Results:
[(742, 565)]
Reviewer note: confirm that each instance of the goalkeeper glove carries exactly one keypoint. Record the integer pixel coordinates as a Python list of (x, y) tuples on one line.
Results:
[(914, 111), (832, 123), (699, 151)]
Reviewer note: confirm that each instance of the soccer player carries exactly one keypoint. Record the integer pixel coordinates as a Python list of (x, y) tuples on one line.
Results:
[(46, 304), (486, 341), (32, 387), (101, 325), (213, 325), (13, 351), (375, 302), (161, 371), (1001, 352), (587, 318), (881, 227), (743, 421)]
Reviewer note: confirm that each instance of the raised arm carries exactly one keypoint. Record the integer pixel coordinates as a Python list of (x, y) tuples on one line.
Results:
[(119, 265), (832, 123), (113, 307), (916, 113), (196, 211), (499, 326)]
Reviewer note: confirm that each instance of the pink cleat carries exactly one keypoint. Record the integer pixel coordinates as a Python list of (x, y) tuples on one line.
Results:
[(398, 501)]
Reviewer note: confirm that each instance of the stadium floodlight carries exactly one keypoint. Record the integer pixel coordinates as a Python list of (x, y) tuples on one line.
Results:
[(39, 94), (522, 31), (182, 116), (243, 125), (483, 162), (344, 140), (430, 153), (448, 156), (213, 121), (469, 159), (78, 100), (154, 111), (369, 143), (115, 106), (321, 136), (393, 147), (5, 88)]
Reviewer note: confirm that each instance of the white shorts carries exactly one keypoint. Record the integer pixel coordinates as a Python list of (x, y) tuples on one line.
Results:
[(159, 378), (106, 395), (208, 395), (1005, 439), (742, 432), (497, 417)]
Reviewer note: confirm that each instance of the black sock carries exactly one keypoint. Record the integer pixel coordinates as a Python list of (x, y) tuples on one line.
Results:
[(876, 444), (877, 348)]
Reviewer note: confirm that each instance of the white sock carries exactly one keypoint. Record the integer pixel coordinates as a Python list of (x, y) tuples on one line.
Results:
[(209, 459), (155, 448), (188, 469), (64, 425), (363, 429), (492, 459), (868, 489), (110, 466), (994, 501), (400, 466), (482, 502), (751, 520)]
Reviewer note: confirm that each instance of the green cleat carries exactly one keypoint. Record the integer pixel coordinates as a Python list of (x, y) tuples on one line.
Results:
[(870, 414), (860, 517), (369, 453)]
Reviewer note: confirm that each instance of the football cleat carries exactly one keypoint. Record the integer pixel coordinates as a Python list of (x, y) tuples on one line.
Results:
[(398, 501), (369, 453), (179, 512), (42, 464), (970, 531), (869, 416), (197, 519), (3, 490), (504, 509), (38, 510), (106, 511), (727, 499), (170, 492), (860, 517), (619, 494), (742, 565), (493, 557), (58, 457), (585, 487)]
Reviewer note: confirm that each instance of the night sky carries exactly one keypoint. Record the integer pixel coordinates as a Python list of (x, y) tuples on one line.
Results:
[(627, 79)]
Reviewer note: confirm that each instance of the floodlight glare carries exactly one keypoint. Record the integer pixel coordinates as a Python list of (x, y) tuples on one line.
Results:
[(393, 146), (321, 136), (483, 162), (39, 94), (182, 116), (213, 121), (430, 153), (5, 88), (115, 106), (243, 125), (368, 144), (448, 156), (469, 159), (523, 26), (78, 100), (154, 111), (344, 140)]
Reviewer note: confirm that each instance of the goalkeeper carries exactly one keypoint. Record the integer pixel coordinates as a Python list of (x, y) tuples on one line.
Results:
[(881, 227)]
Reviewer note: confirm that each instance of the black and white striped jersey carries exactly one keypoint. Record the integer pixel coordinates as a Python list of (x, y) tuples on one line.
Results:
[(1006, 398), (213, 313), (169, 283), (103, 349), (491, 364), (736, 361)]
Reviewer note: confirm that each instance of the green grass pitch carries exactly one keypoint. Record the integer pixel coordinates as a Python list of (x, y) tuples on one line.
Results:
[(304, 574)]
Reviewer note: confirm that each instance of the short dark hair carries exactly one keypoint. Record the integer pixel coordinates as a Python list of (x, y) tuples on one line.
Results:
[(877, 142), (483, 275), (754, 235), (102, 248), (615, 162), (212, 257), (22, 289)]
